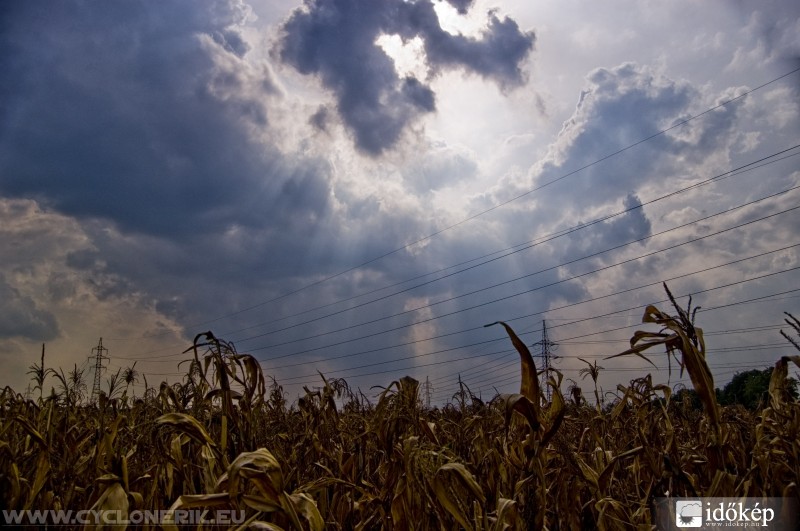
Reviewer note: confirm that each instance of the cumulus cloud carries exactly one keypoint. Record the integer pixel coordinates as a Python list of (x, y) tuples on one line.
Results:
[(618, 107), (336, 41)]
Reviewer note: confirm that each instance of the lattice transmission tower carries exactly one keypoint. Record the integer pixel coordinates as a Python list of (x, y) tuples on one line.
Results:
[(99, 358), (427, 388), (547, 349)]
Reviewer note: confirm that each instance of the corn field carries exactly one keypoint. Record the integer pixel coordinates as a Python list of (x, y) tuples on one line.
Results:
[(226, 438)]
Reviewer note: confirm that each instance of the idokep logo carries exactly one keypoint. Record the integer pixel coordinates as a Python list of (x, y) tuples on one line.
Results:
[(689, 513), (777, 514)]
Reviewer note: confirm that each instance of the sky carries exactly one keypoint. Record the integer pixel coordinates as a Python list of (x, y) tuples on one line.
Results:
[(354, 188)]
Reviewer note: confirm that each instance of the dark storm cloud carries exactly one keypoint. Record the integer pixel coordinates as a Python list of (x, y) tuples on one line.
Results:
[(137, 119), (140, 112), (421, 96), (462, 6), (22, 318), (633, 225), (320, 119), (497, 56), (336, 40), (629, 227)]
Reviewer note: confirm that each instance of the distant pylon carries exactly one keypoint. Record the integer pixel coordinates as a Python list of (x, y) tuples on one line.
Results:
[(97, 354), (548, 347), (428, 392)]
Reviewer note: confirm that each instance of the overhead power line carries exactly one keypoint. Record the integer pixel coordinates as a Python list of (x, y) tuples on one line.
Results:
[(508, 251), (511, 319), (517, 294), (499, 205), (417, 356), (527, 316)]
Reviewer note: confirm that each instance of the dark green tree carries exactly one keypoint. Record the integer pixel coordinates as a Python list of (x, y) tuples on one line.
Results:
[(751, 388)]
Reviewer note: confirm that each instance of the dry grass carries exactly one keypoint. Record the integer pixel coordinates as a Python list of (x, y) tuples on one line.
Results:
[(224, 439)]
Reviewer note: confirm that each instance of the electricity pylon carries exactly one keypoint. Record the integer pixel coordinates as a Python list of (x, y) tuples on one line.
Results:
[(546, 355), (99, 358)]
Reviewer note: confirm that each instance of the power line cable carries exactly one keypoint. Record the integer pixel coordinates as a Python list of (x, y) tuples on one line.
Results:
[(525, 246), (486, 303), (593, 333), (502, 204), (386, 362), (594, 299), (564, 324)]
